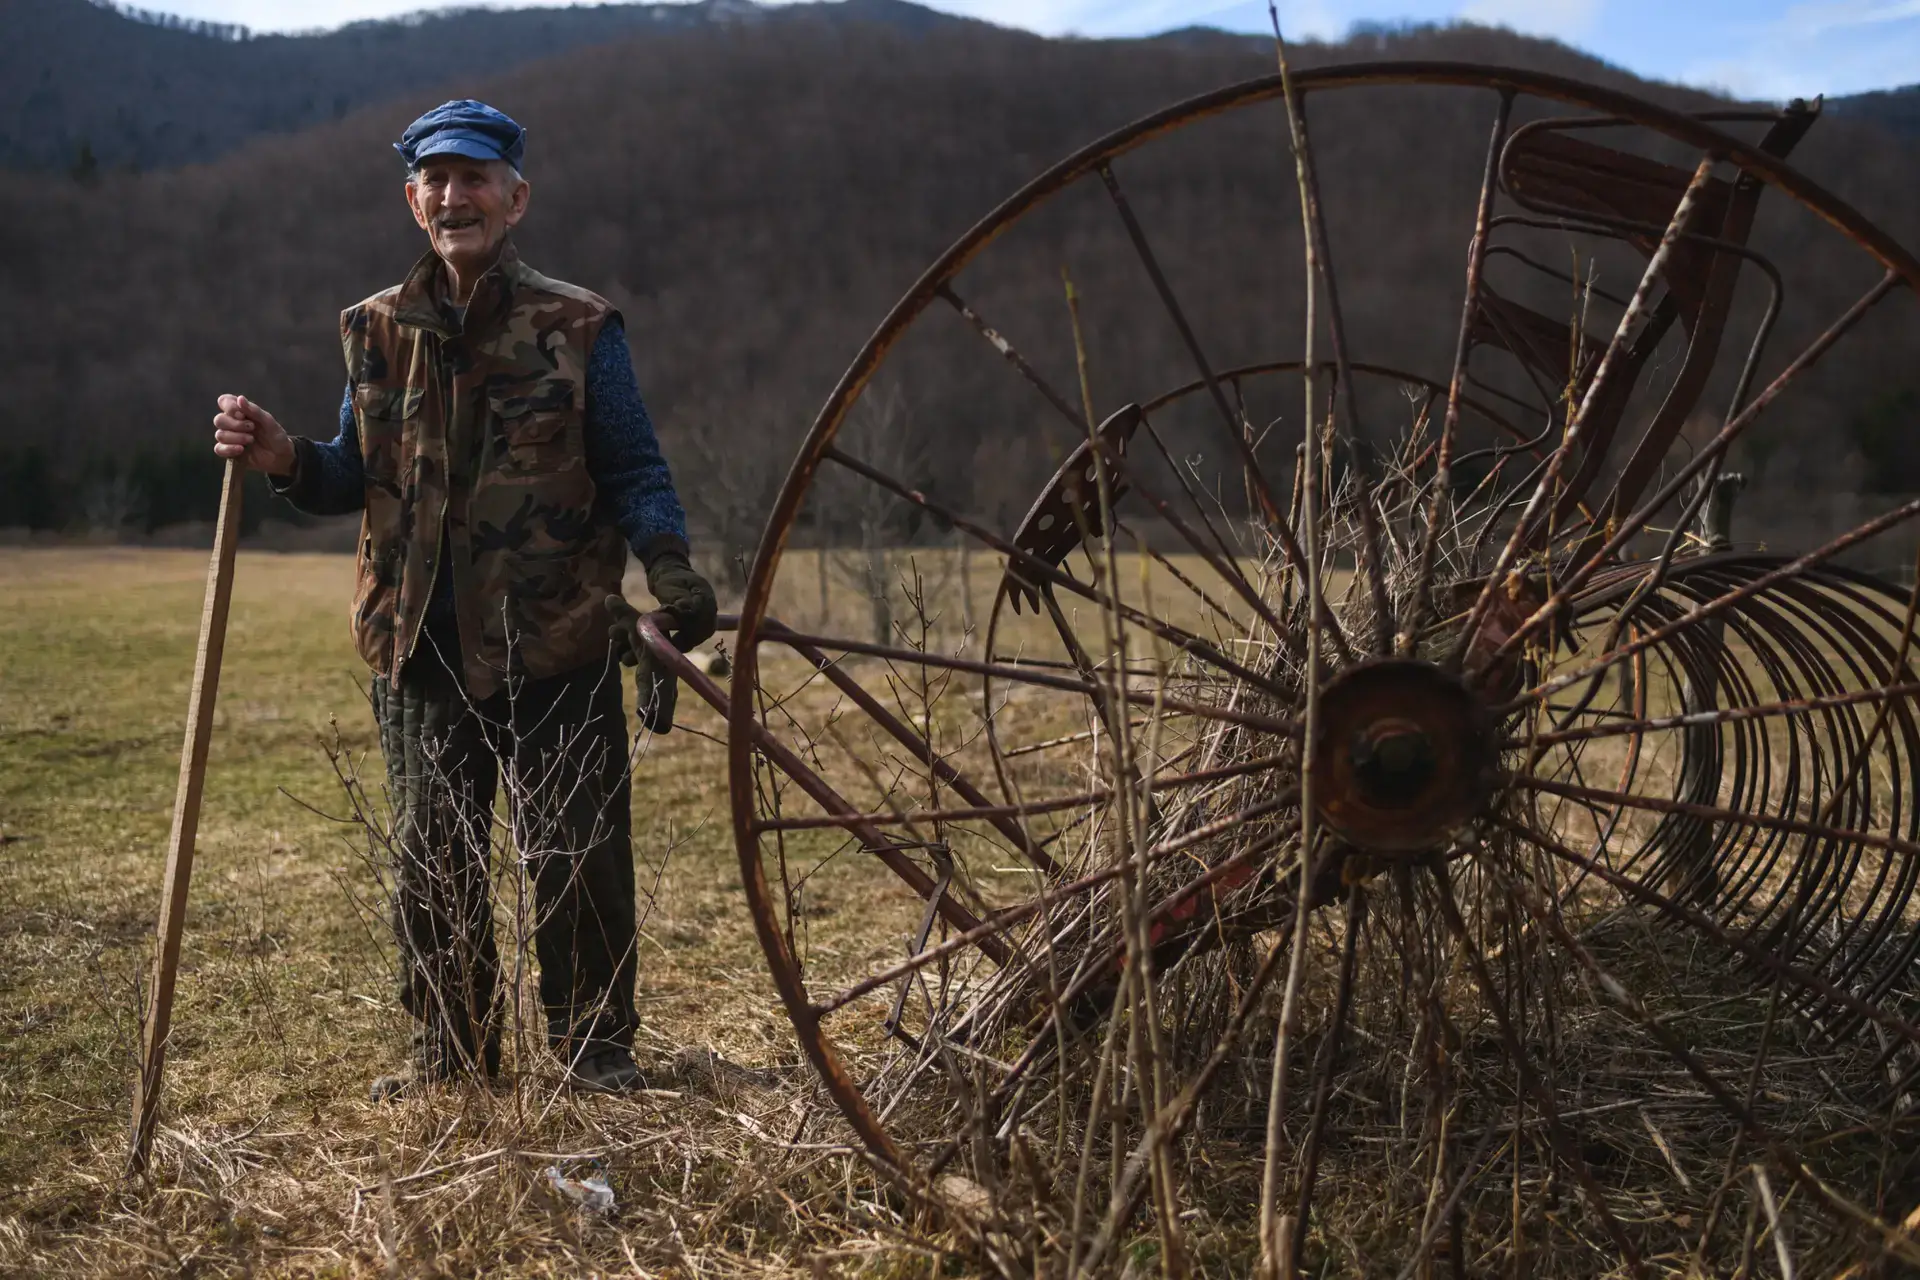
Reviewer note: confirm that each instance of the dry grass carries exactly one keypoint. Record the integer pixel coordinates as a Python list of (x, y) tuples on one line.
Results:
[(270, 1160)]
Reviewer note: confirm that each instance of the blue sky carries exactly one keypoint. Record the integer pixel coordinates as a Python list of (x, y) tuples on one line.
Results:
[(1773, 49)]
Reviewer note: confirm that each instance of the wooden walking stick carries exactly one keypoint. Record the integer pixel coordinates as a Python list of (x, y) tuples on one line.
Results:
[(186, 817)]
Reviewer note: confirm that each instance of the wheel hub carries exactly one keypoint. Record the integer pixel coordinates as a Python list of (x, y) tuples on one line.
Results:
[(1403, 756)]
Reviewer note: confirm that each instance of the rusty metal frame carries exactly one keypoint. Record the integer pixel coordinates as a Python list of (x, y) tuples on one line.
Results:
[(747, 735)]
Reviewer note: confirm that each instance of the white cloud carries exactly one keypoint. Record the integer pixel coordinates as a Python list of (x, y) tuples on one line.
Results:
[(1820, 47), (1299, 19), (1569, 20), (1823, 16)]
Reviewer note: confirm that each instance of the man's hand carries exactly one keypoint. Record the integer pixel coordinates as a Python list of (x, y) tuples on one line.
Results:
[(656, 688), (242, 429), (686, 595)]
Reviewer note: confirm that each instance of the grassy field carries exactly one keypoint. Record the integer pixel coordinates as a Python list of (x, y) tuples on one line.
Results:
[(270, 1161)]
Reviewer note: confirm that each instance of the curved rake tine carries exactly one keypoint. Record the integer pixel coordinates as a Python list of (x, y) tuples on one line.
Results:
[(1764, 957), (1892, 1239), (1700, 613), (1707, 455), (1642, 294)]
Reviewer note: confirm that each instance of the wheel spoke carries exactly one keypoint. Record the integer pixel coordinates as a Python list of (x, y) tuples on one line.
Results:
[(1013, 357), (1276, 518), (1183, 640), (1450, 425), (1763, 957), (989, 812)]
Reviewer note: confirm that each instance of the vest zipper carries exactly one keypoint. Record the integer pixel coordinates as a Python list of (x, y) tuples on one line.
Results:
[(440, 525)]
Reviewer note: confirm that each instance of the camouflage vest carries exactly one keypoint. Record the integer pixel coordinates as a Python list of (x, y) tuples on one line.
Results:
[(475, 428)]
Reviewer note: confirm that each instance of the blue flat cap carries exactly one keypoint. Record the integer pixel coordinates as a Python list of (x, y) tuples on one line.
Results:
[(463, 127)]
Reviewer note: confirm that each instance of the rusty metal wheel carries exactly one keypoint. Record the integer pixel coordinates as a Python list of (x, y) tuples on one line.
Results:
[(1384, 825)]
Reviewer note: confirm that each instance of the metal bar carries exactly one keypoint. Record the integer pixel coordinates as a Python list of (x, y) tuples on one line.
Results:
[(816, 788), (1682, 214), (1701, 460), (1167, 782)]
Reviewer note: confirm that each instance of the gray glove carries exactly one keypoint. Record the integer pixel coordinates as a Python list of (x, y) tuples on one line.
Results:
[(656, 688)]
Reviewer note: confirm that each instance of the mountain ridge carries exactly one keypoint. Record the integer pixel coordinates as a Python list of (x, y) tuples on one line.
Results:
[(754, 197), (88, 85), (137, 88)]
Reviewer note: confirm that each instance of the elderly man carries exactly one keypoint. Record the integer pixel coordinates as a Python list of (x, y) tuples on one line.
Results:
[(493, 435)]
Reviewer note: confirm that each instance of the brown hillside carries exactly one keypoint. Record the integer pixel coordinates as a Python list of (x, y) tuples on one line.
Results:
[(755, 198)]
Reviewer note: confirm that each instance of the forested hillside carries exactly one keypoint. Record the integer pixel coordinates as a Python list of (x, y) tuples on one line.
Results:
[(754, 196), (1897, 110), (84, 85)]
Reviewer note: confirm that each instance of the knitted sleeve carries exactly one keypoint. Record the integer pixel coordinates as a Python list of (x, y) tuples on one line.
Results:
[(329, 478), (630, 476)]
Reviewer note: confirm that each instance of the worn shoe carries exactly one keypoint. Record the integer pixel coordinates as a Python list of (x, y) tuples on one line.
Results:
[(609, 1070), (393, 1087), (426, 1069)]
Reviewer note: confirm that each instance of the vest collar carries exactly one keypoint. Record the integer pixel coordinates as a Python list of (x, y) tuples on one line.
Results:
[(424, 300)]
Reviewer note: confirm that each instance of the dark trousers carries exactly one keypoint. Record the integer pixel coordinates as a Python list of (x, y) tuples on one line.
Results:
[(561, 745)]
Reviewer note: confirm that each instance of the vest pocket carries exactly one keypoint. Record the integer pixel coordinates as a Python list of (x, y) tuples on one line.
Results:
[(383, 412), (527, 439)]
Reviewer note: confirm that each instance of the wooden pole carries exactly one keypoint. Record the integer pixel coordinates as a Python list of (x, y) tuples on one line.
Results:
[(186, 817)]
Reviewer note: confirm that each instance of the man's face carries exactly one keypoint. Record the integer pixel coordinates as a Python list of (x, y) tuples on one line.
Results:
[(466, 206)]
